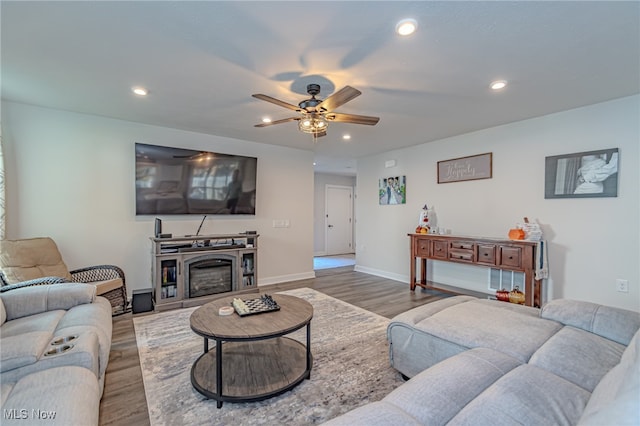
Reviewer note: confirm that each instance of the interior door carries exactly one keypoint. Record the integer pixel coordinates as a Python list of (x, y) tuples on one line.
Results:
[(339, 219)]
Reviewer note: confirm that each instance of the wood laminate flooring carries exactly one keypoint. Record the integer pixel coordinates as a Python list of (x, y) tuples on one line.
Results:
[(124, 402)]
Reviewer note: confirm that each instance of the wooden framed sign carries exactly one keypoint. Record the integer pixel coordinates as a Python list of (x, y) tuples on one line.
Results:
[(465, 168)]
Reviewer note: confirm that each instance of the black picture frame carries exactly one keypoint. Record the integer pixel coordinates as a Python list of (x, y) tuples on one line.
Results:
[(588, 174)]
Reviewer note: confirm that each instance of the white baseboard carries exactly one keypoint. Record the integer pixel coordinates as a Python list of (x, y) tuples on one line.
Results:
[(286, 278), (383, 274)]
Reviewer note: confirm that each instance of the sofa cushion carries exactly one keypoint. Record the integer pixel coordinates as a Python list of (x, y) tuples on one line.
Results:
[(83, 352), (5, 390), (415, 315), (65, 395), (25, 339), (525, 395), (380, 413), (27, 301), (27, 259), (44, 321), (3, 313), (615, 324), (94, 318), (22, 350), (439, 387), (616, 399), (411, 351), (578, 356), (513, 329)]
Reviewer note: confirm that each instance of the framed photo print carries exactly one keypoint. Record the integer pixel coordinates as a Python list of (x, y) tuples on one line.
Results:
[(582, 174), (392, 190)]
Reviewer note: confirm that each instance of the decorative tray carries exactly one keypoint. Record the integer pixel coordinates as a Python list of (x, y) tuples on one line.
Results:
[(259, 305)]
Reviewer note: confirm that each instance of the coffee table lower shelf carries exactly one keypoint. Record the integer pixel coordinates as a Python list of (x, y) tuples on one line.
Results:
[(252, 370)]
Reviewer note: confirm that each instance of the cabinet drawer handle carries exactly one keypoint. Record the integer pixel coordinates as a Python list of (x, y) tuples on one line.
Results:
[(462, 257)]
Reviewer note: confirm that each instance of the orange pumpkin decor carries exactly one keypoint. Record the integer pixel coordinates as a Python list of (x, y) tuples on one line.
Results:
[(502, 295), (516, 234), (516, 296)]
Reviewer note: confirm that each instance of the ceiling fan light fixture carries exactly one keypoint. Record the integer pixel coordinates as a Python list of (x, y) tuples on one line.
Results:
[(316, 114), (406, 27), (313, 123), (266, 120)]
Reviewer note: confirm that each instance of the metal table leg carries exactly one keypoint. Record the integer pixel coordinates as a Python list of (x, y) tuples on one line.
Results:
[(219, 371), (309, 350)]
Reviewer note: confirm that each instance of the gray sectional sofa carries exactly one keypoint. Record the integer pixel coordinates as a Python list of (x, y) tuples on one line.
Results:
[(54, 349), (482, 362)]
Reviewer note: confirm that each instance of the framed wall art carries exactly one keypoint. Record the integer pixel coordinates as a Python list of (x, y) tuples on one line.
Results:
[(582, 174), (392, 190), (465, 168)]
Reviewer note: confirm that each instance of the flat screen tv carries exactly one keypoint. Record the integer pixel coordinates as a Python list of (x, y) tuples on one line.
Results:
[(174, 181)]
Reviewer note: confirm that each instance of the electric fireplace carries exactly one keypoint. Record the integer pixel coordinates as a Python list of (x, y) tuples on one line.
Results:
[(210, 274)]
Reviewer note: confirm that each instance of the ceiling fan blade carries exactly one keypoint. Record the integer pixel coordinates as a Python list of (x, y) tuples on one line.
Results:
[(341, 97), (277, 102), (352, 118), (284, 120)]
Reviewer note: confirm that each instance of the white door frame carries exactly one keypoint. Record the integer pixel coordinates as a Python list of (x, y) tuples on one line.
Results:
[(326, 215)]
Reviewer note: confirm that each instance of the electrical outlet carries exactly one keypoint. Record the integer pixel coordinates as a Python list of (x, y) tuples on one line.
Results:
[(622, 286), (281, 223)]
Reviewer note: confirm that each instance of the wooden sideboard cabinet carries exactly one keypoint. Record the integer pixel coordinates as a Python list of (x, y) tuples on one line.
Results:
[(508, 255)]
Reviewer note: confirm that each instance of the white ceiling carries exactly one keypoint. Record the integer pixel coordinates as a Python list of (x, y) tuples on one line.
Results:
[(202, 61)]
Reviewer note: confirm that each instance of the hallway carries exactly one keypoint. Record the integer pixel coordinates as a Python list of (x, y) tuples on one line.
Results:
[(337, 261)]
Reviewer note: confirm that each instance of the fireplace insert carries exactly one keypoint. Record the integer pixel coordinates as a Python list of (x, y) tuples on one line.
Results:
[(210, 274)]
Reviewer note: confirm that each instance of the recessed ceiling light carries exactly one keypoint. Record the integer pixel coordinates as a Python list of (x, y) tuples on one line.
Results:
[(346, 137), (406, 27), (498, 84), (266, 120), (140, 91)]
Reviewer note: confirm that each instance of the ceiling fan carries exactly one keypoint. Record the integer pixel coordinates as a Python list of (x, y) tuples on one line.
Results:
[(316, 114)]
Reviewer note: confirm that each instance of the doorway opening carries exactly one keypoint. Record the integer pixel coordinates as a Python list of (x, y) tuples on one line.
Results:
[(336, 261)]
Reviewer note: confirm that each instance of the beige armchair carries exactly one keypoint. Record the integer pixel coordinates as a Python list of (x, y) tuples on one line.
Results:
[(37, 261)]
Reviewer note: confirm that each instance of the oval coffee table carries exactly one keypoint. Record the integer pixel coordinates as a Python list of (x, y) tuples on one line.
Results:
[(252, 360)]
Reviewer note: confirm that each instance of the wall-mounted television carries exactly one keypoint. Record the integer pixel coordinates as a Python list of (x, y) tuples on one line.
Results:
[(174, 181)]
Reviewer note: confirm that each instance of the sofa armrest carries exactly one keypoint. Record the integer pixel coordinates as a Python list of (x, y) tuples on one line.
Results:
[(96, 273), (36, 299), (611, 323)]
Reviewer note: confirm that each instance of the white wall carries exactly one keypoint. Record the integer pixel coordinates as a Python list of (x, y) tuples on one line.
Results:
[(71, 177), (321, 180), (592, 241)]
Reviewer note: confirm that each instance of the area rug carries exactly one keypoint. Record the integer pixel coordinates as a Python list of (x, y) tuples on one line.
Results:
[(350, 369)]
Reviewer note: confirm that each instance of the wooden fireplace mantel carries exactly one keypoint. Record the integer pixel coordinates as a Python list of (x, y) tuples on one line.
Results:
[(170, 257), (509, 255)]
